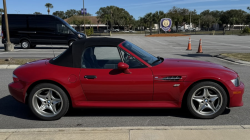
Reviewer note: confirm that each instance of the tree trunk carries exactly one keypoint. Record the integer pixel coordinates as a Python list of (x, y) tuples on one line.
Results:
[(177, 28)]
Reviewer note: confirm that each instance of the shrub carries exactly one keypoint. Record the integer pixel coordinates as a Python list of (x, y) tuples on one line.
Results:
[(89, 31), (246, 30)]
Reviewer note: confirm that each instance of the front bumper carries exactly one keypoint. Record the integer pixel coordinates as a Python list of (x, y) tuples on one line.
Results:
[(236, 94), (16, 90)]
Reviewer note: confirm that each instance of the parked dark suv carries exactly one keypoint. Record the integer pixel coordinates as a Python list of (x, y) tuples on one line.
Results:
[(30, 30)]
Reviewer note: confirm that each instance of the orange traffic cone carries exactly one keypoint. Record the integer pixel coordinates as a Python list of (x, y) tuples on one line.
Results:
[(200, 47), (189, 45)]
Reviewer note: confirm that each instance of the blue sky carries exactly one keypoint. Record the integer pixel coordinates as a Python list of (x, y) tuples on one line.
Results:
[(135, 7)]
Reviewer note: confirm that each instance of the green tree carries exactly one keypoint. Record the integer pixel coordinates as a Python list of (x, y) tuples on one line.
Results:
[(248, 8), (78, 21), (71, 12), (207, 20), (37, 13), (176, 16), (49, 6), (60, 14), (214, 17), (113, 15), (158, 15), (149, 19)]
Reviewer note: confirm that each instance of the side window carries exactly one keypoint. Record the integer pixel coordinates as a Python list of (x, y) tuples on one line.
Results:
[(61, 28), (131, 61), (101, 58)]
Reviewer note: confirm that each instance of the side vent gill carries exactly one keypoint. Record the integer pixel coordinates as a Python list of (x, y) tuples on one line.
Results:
[(172, 78)]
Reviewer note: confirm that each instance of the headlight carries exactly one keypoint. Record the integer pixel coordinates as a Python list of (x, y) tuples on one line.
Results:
[(236, 81), (80, 36)]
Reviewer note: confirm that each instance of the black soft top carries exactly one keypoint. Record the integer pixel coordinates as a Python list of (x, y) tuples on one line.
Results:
[(72, 56)]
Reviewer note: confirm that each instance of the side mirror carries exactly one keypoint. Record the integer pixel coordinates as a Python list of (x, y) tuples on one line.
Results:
[(124, 67)]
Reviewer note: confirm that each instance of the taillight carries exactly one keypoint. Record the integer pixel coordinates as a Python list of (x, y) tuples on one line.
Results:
[(15, 78), (2, 35)]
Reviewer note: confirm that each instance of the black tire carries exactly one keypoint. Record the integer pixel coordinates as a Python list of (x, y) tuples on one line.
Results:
[(64, 104), (33, 46), (71, 42), (214, 89), (25, 44)]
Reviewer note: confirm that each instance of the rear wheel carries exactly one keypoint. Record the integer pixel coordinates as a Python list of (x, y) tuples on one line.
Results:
[(206, 100), (48, 102), (25, 44)]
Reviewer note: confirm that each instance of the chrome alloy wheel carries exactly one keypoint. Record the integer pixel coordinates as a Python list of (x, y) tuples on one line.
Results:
[(47, 102), (206, 100), (25, 44)]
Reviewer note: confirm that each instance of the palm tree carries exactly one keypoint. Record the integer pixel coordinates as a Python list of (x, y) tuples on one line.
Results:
[(48, 5), (248, 8)]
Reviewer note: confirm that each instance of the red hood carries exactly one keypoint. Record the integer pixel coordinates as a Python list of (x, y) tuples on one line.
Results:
[(186, 63)]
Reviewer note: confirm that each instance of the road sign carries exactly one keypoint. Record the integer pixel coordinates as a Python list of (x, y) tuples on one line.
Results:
[(165, 24)]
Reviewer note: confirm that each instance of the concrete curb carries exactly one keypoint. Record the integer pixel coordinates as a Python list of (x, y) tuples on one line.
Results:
[(9, 66), (223, 127), (237, 61)]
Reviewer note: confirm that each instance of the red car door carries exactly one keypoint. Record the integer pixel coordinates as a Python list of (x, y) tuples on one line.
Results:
[(102, 81)]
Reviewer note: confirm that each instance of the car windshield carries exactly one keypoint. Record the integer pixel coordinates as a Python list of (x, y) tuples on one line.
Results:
[(147, 57)]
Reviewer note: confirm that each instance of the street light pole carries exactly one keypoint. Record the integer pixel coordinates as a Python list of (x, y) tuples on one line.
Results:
[(84, 18), (8, 45)]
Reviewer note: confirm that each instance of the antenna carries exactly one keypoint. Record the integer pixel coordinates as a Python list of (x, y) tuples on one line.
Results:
[(52, 48)]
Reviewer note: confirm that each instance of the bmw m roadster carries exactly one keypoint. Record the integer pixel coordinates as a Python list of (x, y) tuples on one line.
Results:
[(114, 73)]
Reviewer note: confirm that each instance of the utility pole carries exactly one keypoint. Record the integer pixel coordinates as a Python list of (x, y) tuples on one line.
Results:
[(190, 22), (8, 45), (84, 18)]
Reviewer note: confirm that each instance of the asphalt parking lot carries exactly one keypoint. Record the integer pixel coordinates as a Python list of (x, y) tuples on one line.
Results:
[(16, 115)]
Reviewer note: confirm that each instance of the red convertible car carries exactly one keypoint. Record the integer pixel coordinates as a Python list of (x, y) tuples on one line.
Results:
[(114, 73)]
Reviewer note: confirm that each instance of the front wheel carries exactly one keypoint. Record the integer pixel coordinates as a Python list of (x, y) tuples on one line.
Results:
[(48, 102), (206, 100)]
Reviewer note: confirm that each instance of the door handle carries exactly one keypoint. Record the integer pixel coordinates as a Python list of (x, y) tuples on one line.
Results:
[(90, 77)]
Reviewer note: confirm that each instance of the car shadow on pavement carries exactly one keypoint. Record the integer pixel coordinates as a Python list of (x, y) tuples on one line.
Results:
[(195, 55), (94, 112), (11, 107)]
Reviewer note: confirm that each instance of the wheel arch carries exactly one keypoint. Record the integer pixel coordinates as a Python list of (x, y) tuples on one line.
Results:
[(72, 39), (47, 81), (24, 38), (204, 80)]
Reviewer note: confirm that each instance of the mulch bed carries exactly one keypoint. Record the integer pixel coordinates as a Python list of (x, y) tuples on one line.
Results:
[(166, 35)]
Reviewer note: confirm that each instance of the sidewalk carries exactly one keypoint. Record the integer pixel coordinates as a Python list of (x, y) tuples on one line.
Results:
[(131, 133)]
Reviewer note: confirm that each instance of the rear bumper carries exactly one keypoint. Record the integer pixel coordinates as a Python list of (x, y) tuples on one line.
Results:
[(16, 90), (236, 94)]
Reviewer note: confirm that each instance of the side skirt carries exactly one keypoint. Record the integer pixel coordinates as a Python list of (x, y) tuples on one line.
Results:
[(125, 104)]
